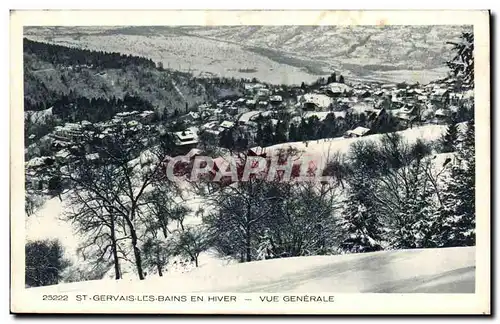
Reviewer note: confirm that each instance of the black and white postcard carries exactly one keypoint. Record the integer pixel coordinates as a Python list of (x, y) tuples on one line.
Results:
[(250, 162)]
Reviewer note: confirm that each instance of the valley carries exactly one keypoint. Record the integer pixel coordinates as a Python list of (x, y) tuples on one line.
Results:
[(278, 54)]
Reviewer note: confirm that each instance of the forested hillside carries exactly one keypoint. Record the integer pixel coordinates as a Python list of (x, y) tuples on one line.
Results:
[(52, 71)]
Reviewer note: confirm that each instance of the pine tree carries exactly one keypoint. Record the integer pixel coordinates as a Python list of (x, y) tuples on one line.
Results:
[(227, 139), (462, 64), (334, 77), (302, 130), (281, 132), (360, 225), (292, 133), (268, 134), (341, 79), (450, 139), (416, 223), (259, 137), (458, 212), (313, 127)]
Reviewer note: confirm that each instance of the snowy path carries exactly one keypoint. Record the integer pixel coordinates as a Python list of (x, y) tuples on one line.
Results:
[(447, 270), (179, 92)]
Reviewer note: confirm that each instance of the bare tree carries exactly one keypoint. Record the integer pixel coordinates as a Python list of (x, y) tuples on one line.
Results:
[(118, 181), (239, 211), (155, 254), (190, 242), (92, 212), (271, 215)]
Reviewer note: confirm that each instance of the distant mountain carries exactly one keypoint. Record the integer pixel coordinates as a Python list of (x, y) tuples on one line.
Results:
[(279, 54), (395, 46)]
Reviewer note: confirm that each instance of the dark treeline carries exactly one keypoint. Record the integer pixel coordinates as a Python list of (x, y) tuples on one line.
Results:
[(71, 109), (68, 56), (307, 129), (74, 109)]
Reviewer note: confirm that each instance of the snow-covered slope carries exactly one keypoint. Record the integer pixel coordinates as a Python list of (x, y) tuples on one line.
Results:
[(446, 270), (321, 150), (47, 222)]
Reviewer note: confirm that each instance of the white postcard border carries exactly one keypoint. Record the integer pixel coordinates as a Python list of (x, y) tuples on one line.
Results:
[(26, 300)]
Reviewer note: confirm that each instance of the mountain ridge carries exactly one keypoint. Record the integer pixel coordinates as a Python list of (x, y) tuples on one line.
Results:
[(301, 52)]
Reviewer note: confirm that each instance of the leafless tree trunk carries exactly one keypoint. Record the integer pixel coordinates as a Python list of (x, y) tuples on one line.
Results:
[(114, 248)]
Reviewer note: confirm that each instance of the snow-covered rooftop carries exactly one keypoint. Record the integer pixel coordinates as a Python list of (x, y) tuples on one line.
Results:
[(209, 125), (442, 113), (127, 114), (227, 124), (359, 131), (251, 86), (338, 88), (320, 114), (186, 137), (318, 99), (245, 117)]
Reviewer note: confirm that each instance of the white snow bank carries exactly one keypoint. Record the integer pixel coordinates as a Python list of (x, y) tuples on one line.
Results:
[(447, 270), (321, 150), (48, 223)]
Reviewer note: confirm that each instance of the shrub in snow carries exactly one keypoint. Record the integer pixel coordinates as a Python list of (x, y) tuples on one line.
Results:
[(45, 263)]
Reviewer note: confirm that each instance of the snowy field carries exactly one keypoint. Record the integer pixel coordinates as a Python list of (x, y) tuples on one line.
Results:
[(447, 270)]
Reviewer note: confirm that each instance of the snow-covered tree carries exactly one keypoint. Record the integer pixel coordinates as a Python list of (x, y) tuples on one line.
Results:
[(190, 242), (450, 138), (302, 222), (163, 206), (115, 184), (360, 225), (156, 254), (415, 224), (93, 216), (239, 211), (458, 212), (462, 64)]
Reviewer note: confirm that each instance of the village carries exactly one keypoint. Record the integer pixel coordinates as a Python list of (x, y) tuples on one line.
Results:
[(267, 115), (371, 105)]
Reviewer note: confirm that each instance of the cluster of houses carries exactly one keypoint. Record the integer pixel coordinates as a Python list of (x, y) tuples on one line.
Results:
[(65, 140), (410, 104)]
